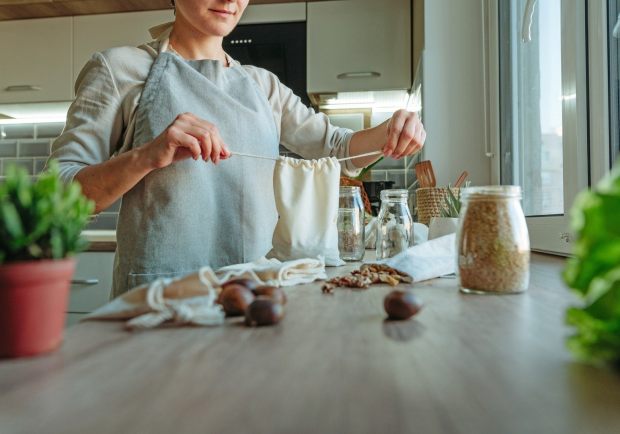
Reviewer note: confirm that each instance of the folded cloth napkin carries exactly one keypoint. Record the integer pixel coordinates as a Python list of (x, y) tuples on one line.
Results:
[(426, 260), (191, 299), (275, 273)]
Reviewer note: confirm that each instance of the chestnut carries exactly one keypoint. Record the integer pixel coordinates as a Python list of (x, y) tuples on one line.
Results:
[(248, 283), (276, 294), (400, 305), (235, 299), (263, 311)]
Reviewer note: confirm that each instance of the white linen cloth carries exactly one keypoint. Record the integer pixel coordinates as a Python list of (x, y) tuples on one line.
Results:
[(306, 194), (191, 299), (427, 260)]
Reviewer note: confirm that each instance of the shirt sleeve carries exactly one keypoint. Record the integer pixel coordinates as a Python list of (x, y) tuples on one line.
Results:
[(302, 130), (94, 123)]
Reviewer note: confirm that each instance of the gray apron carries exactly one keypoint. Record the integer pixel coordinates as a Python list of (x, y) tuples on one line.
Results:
[(191, 213)]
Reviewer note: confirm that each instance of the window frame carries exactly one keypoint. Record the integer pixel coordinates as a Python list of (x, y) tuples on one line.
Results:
[(549, 233)]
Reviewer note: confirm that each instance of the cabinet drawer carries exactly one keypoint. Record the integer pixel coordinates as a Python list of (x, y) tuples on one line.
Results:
[(92, 281)]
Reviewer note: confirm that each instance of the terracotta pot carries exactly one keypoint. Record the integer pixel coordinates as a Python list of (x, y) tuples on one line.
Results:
[(33, 302)]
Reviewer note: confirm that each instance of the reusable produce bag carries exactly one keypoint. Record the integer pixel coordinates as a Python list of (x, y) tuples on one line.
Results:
[(191, 299), (306, 194)]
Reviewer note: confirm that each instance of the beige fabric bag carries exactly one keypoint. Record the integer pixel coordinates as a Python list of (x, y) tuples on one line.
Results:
[(306, 193)]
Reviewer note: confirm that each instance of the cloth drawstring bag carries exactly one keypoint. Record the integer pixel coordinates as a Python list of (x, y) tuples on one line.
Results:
[(306, 194)]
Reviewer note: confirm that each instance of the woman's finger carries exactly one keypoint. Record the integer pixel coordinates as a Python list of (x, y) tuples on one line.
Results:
[(394, 128), (177, 138), (407, 136)]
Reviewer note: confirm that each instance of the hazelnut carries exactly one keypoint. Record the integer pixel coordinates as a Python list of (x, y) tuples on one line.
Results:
[(263, 311), (276, 294), (235, 299), (401, 305)]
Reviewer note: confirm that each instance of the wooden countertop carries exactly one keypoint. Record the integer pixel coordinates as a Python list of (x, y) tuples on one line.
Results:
[(466, 364)]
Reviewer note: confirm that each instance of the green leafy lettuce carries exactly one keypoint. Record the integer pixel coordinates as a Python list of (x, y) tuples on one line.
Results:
[(594, 272)]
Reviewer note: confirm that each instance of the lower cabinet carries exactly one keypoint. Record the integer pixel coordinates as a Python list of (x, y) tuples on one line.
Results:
[(91, 284)]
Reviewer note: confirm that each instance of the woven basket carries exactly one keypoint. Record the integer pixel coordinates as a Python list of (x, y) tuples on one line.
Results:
[(430, 201), (344, 181)]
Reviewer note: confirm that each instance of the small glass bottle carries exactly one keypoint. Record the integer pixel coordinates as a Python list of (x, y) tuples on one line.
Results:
[(493, 244), (351, 224), (395, 225)]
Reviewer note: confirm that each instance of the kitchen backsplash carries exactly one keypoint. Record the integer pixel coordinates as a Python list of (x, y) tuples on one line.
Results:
[(29, 146)]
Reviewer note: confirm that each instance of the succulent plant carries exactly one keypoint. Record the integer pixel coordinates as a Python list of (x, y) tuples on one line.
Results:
[(452, 203), (41, 219)]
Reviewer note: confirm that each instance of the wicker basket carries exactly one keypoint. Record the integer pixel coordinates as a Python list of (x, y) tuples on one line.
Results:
[(344, 181), (430, 201)]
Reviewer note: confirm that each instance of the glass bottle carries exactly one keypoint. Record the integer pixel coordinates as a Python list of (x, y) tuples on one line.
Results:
[(351, 224), (493, 245), (395, 225)]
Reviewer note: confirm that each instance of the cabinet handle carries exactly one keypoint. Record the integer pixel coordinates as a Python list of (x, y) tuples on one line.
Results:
[(85, 281), (364, 74), (22, 87)]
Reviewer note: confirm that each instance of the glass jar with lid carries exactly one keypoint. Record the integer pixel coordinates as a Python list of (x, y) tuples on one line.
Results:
[(351, 224), (394, 224), (493, 244)]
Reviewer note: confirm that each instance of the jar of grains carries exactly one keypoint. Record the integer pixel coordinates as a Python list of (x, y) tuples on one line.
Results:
[(492, 241), (351, 224)]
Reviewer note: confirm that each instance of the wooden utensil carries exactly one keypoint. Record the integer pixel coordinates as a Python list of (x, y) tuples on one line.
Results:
[(461, 179), (425, 174)]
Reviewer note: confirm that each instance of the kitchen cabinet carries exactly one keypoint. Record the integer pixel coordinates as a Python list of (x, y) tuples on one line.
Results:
[(359, 45), (94, 33), (36, 60), (92, 282), (73, 318)]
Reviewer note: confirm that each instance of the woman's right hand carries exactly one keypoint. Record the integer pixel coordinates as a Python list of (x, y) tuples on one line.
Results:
[(187, 136)]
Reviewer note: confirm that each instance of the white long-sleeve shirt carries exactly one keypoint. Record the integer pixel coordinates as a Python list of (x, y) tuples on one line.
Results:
[(101, 119)]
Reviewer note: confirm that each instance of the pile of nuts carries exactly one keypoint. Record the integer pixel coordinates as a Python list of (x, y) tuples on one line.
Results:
[(367, 275), (261, 305)]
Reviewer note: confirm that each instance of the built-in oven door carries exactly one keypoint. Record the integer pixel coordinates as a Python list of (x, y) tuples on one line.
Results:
[(277, 47)]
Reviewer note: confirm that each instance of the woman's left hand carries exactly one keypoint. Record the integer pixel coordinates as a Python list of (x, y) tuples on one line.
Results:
[(405, 135)]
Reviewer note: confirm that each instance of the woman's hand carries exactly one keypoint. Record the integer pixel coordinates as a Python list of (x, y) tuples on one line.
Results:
[(186, 137), (405, 135)]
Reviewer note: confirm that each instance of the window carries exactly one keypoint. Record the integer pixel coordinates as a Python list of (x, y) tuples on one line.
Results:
[(531, 99), (543, 100)]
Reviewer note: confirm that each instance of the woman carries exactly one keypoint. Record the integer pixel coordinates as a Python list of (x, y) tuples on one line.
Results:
[(161, 108)]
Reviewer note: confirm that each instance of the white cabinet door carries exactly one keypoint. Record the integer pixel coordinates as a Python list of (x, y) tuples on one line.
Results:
[(92, 281), (98, 32), (36, 60), (356, 45)]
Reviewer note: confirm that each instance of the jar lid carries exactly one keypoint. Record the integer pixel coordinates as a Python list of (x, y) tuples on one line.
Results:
[(346, 190), (490, 191), (394, 194)]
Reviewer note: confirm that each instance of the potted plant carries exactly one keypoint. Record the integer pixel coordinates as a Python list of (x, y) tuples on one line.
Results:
[(448, 222), (40, 226)]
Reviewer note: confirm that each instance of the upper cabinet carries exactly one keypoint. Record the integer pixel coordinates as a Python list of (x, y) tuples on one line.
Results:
[(36, 63), (358, 45), (94, 33)]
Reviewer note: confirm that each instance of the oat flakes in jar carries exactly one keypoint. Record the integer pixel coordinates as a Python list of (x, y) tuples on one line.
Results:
[(492, 241)]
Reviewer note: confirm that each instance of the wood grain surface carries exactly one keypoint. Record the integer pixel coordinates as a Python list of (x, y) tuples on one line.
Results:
[(23, 9), (465, 364)]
